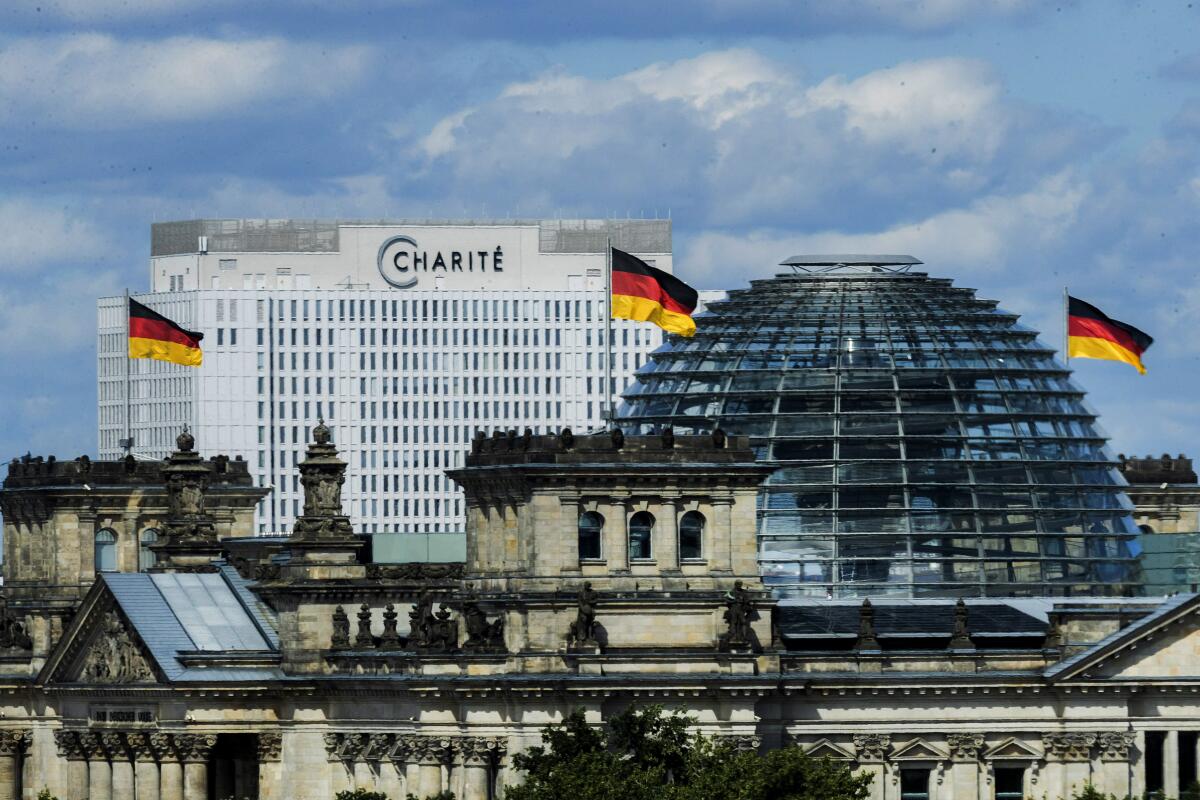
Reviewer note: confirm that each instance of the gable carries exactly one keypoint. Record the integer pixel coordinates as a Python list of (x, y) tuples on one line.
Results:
[(827, 749), (919, 750), (1172, 653), (100, 646), (1012, 749)]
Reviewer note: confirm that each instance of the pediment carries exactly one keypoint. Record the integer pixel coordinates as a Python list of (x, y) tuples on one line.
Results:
[(1012, 749), (1164, 645), (100, 647), (1172, 653), (919, 750), (824, 748)]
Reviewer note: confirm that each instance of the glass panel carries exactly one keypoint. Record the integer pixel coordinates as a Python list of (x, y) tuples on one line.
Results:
[(641, 526)]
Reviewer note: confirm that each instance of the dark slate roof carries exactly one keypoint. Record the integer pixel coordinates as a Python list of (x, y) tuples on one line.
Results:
[(175, 613), (840, 620)]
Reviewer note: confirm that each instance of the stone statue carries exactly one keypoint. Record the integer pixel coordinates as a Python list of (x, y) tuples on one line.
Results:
[(481, 634), (12, 630), (114, 657), (583, 629), (739, 613), (618, 438), (341, 630), (430, 631), (566, 439)]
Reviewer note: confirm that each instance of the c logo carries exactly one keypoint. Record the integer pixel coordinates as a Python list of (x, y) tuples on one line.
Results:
[(395, 263)]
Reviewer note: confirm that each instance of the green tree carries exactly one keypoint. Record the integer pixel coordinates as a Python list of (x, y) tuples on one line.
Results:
[(648, 755)]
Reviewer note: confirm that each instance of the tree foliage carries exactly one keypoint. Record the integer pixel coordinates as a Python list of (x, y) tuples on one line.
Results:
[(649, 755)]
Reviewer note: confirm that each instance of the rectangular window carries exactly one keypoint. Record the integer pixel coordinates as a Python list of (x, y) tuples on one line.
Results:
[(914, 784), (1010, 783)]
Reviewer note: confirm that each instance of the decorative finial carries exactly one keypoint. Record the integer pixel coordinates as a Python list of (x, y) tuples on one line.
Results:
[(321, 432), (184, 442)]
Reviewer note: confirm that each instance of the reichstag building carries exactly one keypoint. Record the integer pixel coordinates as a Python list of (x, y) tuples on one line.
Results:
[(862, 513)]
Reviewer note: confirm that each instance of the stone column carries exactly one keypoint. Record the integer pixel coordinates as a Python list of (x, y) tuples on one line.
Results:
[(1114, 762), (99, 771), (122, 767), (1068, 761), (479, 757), (431, 754), (170, 771), (270, 766), (616, 537), (1171, 764), (77, 770), (194, 749), (964, 764), (871, 750), (666, 551), (12, 743), (145, 769)]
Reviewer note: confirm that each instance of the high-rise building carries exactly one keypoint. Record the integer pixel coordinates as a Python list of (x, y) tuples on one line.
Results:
[(405, 336), (926, 443)]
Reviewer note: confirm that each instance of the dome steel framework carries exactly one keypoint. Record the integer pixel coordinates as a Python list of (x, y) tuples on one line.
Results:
[(927, 444)]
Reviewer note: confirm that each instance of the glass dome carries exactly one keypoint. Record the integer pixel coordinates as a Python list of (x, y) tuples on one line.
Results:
[(927, 444)]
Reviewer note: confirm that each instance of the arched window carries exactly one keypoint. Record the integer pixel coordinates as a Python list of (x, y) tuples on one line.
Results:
[(147, 558), (591, 525), (641, 525), (691, 535), (106, 550)]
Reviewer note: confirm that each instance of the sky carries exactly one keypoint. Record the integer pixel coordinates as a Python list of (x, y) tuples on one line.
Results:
[(1014, 146)]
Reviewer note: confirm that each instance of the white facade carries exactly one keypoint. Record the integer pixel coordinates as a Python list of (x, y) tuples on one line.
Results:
[(403, 376)]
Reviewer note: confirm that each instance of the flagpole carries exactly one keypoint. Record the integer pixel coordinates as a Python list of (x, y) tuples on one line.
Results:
[(1066, 327), (608, 367), (127, 442)]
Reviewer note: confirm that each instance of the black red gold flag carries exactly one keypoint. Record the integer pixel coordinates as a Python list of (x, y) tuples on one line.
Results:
[(1093, 334), (648, 294), (151, 335)]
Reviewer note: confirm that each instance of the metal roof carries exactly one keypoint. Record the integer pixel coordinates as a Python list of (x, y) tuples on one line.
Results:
[(849, 260), (176, 613)]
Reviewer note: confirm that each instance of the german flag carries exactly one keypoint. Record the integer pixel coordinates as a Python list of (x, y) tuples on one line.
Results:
[(151, 335), (1092, 334), (646, 294)]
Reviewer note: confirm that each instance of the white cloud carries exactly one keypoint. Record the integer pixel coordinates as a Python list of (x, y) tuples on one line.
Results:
[(33, 233), (978, 239), (96, 80), (730, 137)]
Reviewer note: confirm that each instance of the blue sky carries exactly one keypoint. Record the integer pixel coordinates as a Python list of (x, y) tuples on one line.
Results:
[(1014, 146)]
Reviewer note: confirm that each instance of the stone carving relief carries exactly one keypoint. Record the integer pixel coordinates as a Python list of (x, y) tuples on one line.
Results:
[(872, 746), (965, 746), (270, 746), (1068, 746), (114, 656), (1114, 745), (415, 571), (13, 742)]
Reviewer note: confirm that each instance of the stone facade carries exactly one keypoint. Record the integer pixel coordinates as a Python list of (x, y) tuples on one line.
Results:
[(321, 673)]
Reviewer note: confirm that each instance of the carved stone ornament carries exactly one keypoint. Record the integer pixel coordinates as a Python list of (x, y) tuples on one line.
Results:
[(582, 632), (12, 630), (480, 751), (430, 631), (139, 745), (964, 746), (961, 638), (745, 743), (363, 640), (187, 478), (322, 475), (415, 571), (270, 745), (431, 750), (391, 638), (739, 613), (1068, 746), (195, 747), (1114, 745), (867, 639), (872, 746), (68, 745), (341, 630), (12, 742), (333, 746), (481, 634), (163, 745), (114, 656)]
